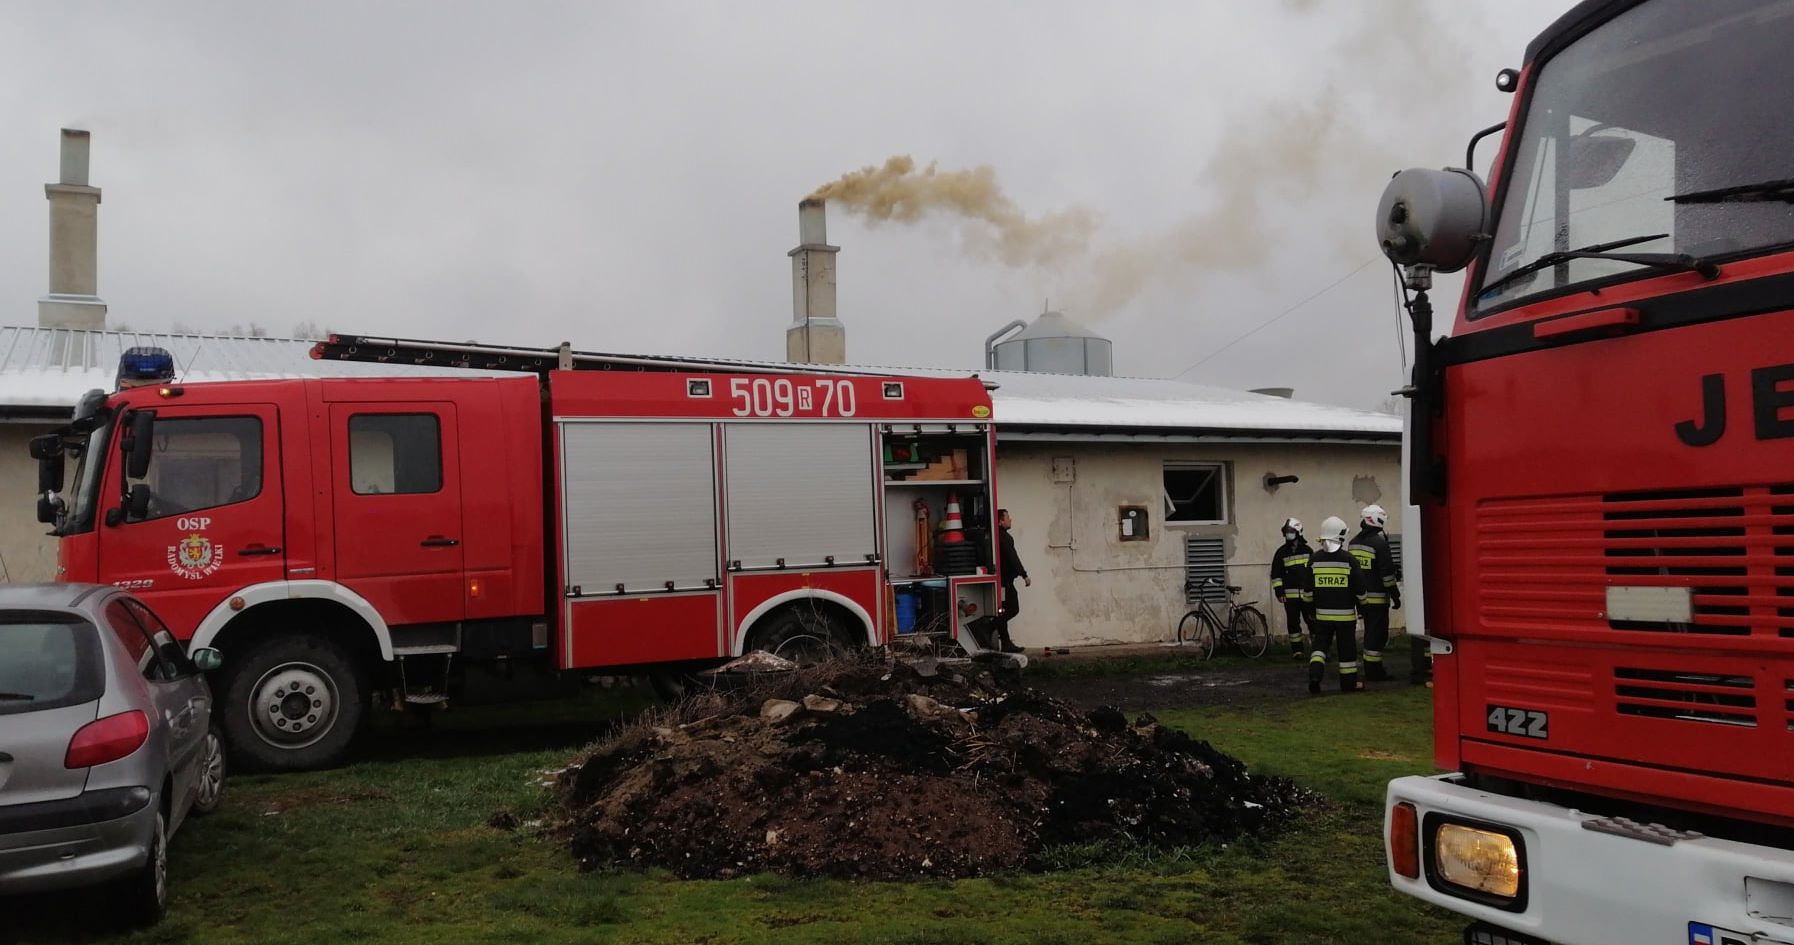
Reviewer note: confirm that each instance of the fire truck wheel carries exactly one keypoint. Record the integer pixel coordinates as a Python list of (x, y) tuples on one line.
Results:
[(803, 635), (293, 703)]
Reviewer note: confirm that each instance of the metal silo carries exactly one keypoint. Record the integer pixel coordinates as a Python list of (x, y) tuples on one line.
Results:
[(1053, 344)]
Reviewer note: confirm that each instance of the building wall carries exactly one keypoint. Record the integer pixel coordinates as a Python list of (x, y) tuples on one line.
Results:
[(27, 554), (1092, 587)]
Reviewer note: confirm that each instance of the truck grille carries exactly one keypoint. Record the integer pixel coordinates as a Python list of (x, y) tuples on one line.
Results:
[(1691, 697), (1546, 563)]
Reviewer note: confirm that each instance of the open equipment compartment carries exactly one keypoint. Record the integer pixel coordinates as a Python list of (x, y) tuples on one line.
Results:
[(928, 471)]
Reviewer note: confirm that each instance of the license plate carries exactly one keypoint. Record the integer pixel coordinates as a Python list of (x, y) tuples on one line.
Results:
[(1699, 934)]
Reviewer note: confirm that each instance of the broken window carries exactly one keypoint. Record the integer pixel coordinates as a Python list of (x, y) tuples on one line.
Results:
[(1196, 493)]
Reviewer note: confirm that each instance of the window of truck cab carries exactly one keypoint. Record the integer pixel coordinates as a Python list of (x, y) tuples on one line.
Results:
[(199, 463), (1666, 99)]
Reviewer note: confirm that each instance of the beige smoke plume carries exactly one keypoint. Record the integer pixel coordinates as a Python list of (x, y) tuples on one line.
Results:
[(899, 191), (1267, 169)]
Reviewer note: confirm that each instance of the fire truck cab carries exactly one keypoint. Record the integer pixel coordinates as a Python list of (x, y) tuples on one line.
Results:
[(482, 536), (1600, 455)]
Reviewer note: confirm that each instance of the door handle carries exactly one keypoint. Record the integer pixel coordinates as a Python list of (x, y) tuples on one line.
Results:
[(256, 550), (437, 541)]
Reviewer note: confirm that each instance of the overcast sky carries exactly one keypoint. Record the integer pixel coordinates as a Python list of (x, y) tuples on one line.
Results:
[(625, 176)]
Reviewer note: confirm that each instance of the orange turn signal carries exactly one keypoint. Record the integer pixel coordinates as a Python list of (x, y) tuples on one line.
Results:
[(1404, 840)]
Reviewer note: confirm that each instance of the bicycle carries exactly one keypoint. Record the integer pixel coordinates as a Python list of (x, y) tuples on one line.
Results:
[(1245, 628)]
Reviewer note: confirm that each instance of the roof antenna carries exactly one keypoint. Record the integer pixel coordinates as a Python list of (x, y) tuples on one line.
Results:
[(200, 347)]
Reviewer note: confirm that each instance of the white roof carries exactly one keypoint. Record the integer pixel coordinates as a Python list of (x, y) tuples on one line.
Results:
[(50, 368)]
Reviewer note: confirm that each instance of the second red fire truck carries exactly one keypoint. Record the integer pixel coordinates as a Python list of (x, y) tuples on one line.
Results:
[(487, 533), (1602, 453)]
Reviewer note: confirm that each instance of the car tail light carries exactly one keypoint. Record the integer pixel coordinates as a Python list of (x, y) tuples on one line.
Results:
[(1404, 840), (107, 739)]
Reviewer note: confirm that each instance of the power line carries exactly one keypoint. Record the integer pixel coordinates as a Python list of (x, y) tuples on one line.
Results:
[(1277, 317)]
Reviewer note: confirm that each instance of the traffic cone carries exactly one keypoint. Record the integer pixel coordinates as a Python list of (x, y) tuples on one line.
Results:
[(952, 529)]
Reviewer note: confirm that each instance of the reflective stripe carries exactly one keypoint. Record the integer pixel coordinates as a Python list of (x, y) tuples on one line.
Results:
[(1350, 667), (1276, 583), (1308, 597), (1337, 618), (1341, 567), (1317, 657), (1389, 580), (1292, 593), (1372, 656), (1374, 598), (1295, 561)]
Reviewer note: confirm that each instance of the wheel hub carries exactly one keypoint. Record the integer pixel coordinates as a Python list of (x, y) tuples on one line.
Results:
[(293, 705)]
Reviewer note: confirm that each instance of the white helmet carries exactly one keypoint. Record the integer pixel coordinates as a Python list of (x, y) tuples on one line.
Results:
[(1292, 525), (1333, 533), (1374, 516)]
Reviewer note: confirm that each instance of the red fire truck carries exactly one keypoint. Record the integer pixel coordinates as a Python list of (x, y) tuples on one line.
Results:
[(480, 534), (1602, 453)]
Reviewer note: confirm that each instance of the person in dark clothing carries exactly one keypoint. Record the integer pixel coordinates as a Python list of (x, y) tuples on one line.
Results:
[(1371, 547), (1339, 588), (1010, 565), (1290, 584)]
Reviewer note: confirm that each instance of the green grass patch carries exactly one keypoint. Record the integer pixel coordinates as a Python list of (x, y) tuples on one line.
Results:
[(396, 849)]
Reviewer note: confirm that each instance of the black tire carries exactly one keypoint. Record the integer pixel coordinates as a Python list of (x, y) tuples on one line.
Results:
[(209, 792), (142, 897), (1194, 630), (802, 633), (1251, 633), (676, 685), (294, 702)]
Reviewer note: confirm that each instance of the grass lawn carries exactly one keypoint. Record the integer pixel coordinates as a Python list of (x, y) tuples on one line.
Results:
[(396, 849)]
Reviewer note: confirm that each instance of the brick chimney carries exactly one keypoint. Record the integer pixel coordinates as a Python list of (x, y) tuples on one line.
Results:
[(815, 335), (73, 300)]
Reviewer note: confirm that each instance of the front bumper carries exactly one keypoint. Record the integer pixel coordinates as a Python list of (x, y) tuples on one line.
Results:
[(1586, 887), (97, 836)]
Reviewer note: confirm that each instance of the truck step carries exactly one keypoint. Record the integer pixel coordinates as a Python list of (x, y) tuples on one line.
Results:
[(431, 649), (426, 698)]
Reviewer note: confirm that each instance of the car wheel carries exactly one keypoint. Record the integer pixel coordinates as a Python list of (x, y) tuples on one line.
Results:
[(209, 792), (293, 703), (142, 897)]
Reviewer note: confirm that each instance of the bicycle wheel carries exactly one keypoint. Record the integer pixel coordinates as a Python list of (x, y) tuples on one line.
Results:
[(1194, 630), (1250, 631)]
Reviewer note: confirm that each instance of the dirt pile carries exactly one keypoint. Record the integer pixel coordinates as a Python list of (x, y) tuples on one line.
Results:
[(884, 770)]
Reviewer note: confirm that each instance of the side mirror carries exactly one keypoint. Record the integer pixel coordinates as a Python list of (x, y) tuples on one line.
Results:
[(1595, 160), (138, 503), (50, 474), (205, 659), (48, 446), (139, 437)]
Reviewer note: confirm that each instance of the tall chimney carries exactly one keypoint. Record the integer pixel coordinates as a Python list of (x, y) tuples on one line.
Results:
[(815, 335), (73, 300)]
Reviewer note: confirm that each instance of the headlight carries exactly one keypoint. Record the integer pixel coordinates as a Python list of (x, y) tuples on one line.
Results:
[(1475, 860)]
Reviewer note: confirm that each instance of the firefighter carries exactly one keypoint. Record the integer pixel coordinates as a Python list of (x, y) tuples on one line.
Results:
[(1383, 591), (1338, 585), (1290, 584), (1011, 566)]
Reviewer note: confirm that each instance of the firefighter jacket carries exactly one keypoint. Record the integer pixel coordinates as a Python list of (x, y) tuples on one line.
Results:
[(1371, 548), (1289, 571), (1339, 586)]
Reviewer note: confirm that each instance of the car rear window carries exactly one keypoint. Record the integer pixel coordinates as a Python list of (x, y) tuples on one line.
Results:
[(47, 661)]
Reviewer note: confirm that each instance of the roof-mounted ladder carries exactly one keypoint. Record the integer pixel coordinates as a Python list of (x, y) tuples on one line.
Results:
[(369, 349)]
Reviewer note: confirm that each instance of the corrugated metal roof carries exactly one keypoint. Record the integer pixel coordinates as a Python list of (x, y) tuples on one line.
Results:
[(52, 368)]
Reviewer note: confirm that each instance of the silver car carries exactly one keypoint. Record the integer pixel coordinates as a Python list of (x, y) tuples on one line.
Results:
[(106, 743)]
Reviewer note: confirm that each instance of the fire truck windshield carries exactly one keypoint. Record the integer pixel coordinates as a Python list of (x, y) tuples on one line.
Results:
[(1666, 99)]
